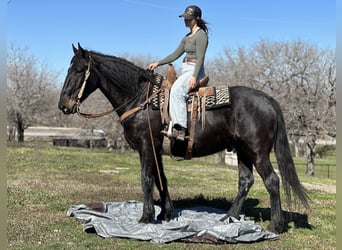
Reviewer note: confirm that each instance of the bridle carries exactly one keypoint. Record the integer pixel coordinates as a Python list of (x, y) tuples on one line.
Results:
[(124, 115), (80, 94)]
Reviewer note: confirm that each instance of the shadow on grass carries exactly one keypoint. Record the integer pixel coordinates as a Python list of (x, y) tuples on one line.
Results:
[(249, 208)]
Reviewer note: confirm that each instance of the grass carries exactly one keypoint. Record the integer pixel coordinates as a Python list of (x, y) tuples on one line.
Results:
[(44, 181)]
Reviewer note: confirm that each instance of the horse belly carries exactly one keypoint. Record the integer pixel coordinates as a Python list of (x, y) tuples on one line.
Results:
[(217, 134), (207, 146), (206, 142)]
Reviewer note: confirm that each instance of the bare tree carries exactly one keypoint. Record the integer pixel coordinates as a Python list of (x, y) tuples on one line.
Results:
[(300, 76), (29, 90)]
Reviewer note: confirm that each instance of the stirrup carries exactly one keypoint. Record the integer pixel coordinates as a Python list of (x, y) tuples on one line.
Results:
[(167, 131)]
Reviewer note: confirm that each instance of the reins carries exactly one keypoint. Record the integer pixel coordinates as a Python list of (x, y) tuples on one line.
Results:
[(141, 106), (152, 141)]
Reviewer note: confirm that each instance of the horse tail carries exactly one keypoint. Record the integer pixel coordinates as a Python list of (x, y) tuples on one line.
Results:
[(286, 165)]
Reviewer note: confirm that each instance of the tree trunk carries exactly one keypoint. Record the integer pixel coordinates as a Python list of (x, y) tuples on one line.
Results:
[(20, 135), (310, 165), (20, 128)]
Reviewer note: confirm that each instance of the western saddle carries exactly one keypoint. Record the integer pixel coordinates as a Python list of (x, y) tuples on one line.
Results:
[(200, 91)]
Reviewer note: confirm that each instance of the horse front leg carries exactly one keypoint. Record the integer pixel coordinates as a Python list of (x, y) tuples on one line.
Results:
[(161, 183), (147, 182)]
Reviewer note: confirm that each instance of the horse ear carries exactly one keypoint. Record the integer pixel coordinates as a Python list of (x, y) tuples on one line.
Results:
[(74, 49), (81, 50)]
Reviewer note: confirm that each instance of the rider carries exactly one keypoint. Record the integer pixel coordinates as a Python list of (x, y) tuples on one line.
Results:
[(194, 44)]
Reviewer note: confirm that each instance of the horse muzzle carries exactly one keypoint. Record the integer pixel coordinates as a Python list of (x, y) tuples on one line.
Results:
[(68, 106)]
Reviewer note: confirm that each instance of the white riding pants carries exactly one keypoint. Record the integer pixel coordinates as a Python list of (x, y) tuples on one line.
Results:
[(179, 92)]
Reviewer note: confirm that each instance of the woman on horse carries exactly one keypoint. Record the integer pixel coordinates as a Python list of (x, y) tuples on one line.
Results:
[(194, 44)]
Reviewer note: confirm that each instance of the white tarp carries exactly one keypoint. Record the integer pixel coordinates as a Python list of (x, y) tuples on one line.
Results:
[(120, 219)]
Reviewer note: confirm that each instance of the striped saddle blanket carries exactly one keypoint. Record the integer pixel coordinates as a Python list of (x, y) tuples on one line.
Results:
[(210, 97)]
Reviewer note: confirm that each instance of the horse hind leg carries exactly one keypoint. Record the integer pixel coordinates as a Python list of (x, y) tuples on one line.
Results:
[(271, 181), (246, 180)]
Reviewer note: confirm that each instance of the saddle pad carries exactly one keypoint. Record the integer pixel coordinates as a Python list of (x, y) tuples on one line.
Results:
[(221, 97)]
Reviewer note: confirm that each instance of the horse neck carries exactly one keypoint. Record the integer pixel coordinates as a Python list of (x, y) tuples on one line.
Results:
[(121, 91)]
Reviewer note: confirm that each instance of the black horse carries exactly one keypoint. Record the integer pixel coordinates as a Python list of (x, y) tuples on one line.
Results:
[(252, 125)]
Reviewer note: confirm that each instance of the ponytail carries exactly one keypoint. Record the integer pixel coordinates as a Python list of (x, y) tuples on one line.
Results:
[(202, 24)]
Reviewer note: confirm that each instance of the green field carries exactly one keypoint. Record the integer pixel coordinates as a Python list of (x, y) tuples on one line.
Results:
[(43, 182)]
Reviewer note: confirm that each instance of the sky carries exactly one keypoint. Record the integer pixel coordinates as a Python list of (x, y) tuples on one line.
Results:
[(152, 28)]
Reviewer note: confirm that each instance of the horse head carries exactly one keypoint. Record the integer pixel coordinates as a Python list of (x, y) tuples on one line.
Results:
[(79, 83)]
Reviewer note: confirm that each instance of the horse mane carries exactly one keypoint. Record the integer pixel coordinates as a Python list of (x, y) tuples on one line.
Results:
[(121, 71)]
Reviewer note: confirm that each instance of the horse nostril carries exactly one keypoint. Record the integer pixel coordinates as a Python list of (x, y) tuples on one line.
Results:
[(64, 109), (66, 106)]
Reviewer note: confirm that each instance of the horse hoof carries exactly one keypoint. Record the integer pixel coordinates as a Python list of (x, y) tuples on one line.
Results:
[(145, 220), (281, 228), (164, 217)]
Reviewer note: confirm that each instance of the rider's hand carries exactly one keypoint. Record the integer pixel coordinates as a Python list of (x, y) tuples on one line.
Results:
[(192, 83), (153, 66)]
